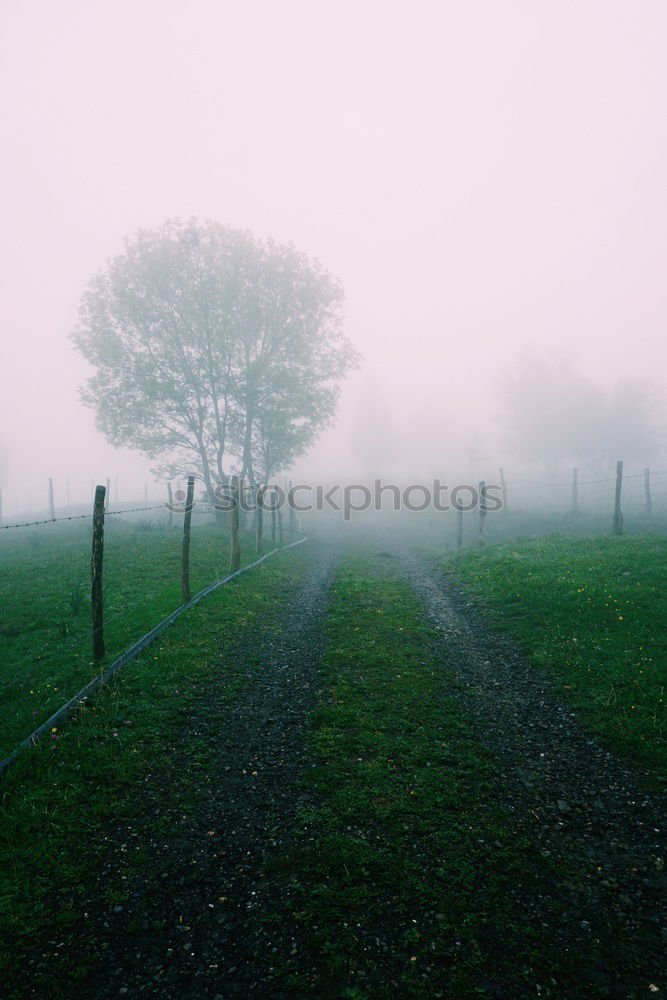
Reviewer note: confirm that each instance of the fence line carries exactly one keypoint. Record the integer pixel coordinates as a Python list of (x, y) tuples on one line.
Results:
[(131, 654), (80, 517), (582, 482), (43, 610), (575, 504)]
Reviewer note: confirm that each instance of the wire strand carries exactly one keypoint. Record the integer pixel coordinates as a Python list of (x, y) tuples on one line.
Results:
[(79, 517)]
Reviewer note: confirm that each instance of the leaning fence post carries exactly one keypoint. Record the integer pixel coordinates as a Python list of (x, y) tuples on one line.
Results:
[(575, 493), (647, 492), (96, 598), (52, 509), (259, 515), (617, 524), (482, 510), (234, 544), (185, 556)]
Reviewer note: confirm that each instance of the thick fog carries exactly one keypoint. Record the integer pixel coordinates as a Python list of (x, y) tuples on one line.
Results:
[(488, 180)]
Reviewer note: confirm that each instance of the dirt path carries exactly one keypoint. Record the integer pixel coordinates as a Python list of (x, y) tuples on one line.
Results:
[(194, 923), (204, 915), (581, 805)]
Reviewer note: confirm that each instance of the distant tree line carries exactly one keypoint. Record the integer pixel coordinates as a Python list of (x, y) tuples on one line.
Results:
[(553, 414)]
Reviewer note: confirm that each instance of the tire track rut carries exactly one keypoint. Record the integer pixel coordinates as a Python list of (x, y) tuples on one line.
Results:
[(580, 803)]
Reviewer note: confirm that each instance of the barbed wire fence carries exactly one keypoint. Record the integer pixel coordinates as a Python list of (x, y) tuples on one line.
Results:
[(634, 501), (58, 629)]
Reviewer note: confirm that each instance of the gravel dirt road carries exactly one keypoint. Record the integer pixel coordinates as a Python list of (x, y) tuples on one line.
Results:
[(582, 806)]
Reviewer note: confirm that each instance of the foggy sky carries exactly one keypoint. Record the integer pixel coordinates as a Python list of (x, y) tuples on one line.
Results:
[(485, 178)]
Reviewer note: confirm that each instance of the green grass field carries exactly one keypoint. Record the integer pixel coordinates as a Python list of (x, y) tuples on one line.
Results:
[(399, 826), (45, 627), (592, 612)]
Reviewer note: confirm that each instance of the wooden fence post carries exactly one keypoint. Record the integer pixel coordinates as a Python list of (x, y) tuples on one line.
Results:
[(234, 544), (292, 512), (459, 526), (52, 509), (96, 597), (281, 539), (482, 510), (185, 555), (575, 491), (170, 499), (647, 492), (503, 485), (259, 516), (617, 524), (239, 503)]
